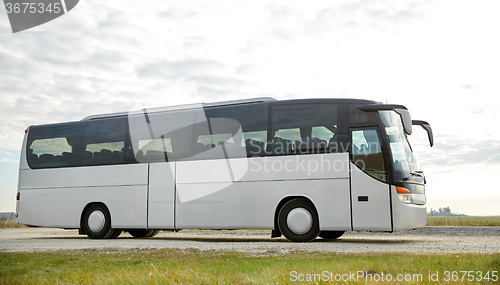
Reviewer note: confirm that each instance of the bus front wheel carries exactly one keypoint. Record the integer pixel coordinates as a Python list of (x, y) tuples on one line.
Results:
[(96, 222), (298, 220)]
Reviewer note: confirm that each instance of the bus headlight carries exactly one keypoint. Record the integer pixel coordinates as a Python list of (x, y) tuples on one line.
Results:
[(404, 195), (406, 198)]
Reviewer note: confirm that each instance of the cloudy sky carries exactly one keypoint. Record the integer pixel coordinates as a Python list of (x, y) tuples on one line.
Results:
[(440, 59)]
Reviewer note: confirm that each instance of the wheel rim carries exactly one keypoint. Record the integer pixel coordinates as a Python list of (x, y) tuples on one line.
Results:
[(299, 221), (96, 221)]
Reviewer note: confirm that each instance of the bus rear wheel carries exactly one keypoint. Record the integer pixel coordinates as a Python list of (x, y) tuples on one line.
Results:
[(96, 222), (143, 233), (298, 220), (331, 234)]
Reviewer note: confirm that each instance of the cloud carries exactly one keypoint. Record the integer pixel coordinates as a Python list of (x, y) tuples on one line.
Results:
[(468, 86), (454, 152), (394, 12), (214, 79), (193, 42), (384, 16), (177, 14), (88, 65), (484, 110), (177, 69), (104, 56), (9, 156)]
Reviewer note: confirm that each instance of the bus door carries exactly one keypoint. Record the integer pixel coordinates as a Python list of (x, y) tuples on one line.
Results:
[(370, 191)]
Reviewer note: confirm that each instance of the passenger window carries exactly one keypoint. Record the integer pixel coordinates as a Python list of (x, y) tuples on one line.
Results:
[(53, 152), (105, 142), (54, 146), (252, 122), (103, 153), (306, 129), (209, 142), (322, 133), (215, 139), (288, 134), (96, 142), (155, 150), (112, 146), (367, 153), (260, 136), (156, 144), (255, 143)]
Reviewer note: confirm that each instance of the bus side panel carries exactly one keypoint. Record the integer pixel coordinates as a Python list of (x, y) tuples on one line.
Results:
[(252, 205), (87, 176), (407, 216), (62, 207), (208, 199), (161, 195), (291, 167), (56, 197)]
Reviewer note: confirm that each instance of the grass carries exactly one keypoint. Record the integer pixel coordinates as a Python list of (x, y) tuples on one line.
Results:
[(463, 221), (192, 266), (10, 224)]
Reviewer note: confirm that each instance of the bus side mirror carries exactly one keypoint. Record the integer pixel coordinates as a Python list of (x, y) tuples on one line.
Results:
[(426, 127), (406, 118)]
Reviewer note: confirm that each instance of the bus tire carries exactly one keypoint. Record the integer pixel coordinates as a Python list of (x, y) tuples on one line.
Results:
[(298, 220), (96, 222), (143, 233), (155, 232), (116, 234), (331, 234)]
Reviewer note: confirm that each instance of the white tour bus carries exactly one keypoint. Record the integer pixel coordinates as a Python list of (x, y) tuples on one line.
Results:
[(300, 168)]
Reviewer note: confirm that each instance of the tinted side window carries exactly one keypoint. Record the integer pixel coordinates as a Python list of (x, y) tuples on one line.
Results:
[(367, 153), (166, 136), (57, 145), (96, 142), (242, 129), (210, 133), (106, 142), (306, 129)]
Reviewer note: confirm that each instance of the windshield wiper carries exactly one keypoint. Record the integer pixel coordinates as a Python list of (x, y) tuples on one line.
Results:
[(418, 173)]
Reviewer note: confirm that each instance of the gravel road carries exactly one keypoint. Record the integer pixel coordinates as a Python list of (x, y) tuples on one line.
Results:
[(425, 240)]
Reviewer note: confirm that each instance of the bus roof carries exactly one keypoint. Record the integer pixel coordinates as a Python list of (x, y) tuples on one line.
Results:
[(181, 107), (234, 102)]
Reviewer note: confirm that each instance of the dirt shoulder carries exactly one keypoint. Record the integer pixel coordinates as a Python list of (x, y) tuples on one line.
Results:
[(426, 240)]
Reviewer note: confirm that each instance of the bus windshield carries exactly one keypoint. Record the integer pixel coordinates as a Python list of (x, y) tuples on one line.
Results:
[(405, 161)]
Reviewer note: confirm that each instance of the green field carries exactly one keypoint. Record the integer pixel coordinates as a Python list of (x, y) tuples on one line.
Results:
[(463, 221), (192, 266)]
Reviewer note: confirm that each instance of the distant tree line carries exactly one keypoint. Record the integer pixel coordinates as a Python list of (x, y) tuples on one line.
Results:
[(5, 216), (443, 212)]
